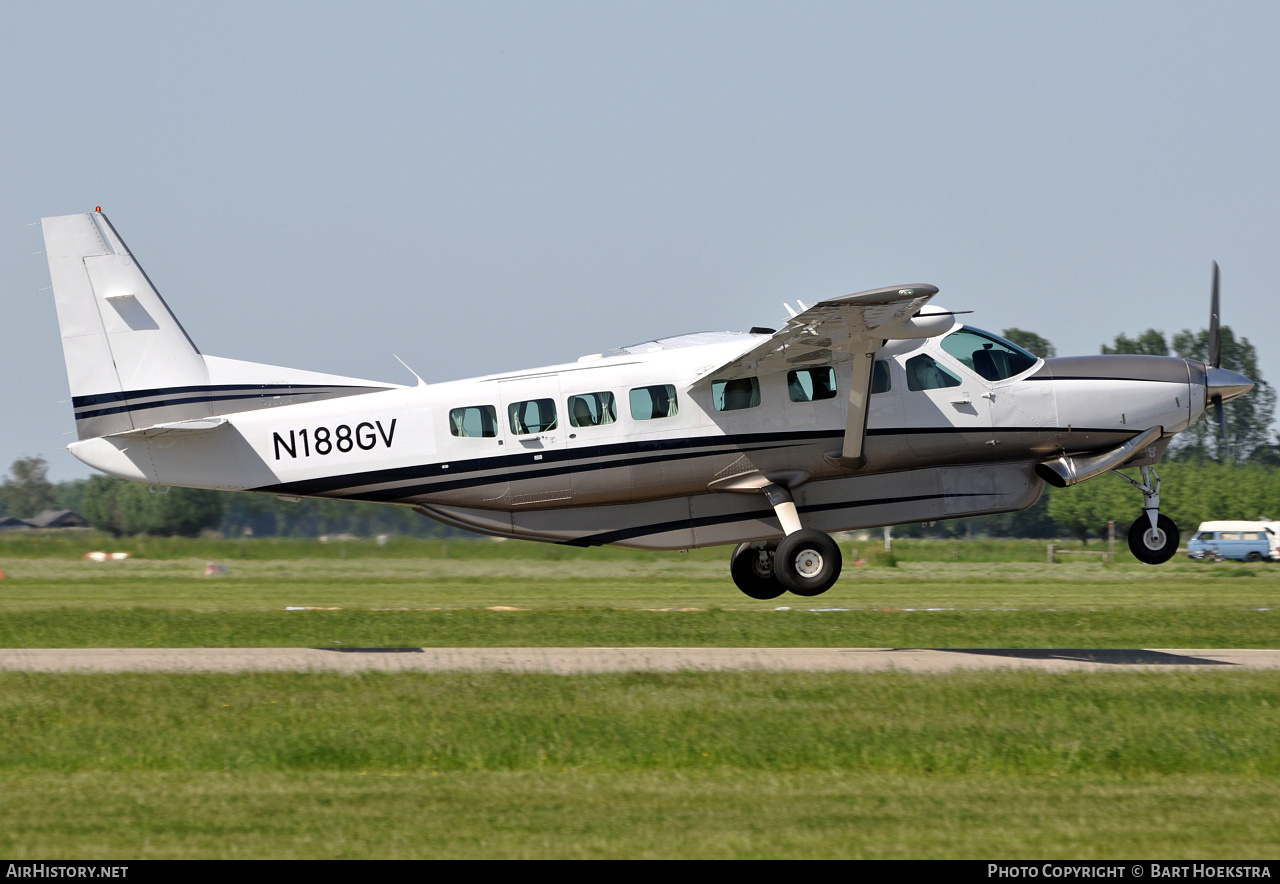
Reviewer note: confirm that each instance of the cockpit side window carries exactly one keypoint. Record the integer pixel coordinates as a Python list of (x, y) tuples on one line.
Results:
[(990, 357), (924, 373)]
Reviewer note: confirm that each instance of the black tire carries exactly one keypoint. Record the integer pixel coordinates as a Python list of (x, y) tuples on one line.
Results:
[(807, 562), (754, 578), (1153, 548), (1253, 557)]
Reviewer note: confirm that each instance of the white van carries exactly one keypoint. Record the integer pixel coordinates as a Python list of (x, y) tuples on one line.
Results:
[(1246, 541)]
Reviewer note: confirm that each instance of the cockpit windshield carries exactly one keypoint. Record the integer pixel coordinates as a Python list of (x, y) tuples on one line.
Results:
[(991, 357)]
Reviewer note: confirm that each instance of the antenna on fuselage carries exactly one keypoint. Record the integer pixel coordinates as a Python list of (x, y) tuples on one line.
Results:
[(421, 382)]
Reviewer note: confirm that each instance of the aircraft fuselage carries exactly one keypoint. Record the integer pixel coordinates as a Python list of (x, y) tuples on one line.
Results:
[(402, 445)]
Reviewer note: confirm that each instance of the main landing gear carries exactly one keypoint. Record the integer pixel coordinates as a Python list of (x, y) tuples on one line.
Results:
[(1153, 538), (805, 562)]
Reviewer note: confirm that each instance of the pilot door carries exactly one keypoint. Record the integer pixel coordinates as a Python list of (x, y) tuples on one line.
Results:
[(947, 411), (533, 425)]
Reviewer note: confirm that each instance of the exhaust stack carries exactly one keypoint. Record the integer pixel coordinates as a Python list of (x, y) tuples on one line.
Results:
[(1064, 470)]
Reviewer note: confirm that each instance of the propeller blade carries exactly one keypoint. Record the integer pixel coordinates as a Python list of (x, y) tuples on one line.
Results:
[(1215, 334), (1222, 417)]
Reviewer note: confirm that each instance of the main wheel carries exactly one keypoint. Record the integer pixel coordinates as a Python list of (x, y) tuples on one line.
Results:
[(752, 568), (807, 562), (1253, 557), (1153, 547)]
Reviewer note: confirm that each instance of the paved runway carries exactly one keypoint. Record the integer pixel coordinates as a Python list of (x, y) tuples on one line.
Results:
[(584, 660)]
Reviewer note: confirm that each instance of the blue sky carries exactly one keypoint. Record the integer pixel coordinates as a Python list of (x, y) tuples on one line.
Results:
[(487, 186)]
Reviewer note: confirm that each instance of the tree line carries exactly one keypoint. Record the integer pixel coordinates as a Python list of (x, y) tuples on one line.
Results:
[(1246, 436), (1209, 472), (130, 508)]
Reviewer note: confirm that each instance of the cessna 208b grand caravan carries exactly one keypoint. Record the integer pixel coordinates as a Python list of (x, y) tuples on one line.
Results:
[(875, 408)]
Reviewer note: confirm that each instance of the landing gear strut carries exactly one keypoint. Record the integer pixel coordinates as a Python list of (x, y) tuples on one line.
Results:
[(1153, 538), (806, 562)]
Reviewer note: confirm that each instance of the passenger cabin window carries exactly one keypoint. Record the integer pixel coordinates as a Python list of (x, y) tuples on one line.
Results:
[(474, 420), (811, 384), (880, 380), (924, 373), (1229, 535), (735, 394), (592, 409), (989, 356), (650, 403), (533, 416)]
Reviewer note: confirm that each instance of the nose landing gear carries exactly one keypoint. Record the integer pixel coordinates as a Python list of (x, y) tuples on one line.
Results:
[(1153, 538), (806, 562)]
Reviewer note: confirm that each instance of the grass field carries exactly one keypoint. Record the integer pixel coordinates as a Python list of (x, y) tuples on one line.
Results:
[(443, 596), (728, 764), (1003, 764)]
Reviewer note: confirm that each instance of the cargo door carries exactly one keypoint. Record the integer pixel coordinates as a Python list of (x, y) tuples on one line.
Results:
[(539, 472)]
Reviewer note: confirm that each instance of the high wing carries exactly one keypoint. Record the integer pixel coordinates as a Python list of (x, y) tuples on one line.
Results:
[(856, 325)]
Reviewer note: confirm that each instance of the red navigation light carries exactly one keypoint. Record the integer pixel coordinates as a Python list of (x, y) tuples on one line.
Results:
[(97, 208)]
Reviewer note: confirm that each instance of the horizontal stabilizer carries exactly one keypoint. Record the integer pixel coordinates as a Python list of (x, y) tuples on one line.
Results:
[(186, 428)]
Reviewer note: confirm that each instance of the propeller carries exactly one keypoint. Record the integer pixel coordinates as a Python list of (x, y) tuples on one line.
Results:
[(1215, 349), (1221, 385)]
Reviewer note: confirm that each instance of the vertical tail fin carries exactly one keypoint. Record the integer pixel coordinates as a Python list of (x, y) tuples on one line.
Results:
[(130, 364), (119, 338)]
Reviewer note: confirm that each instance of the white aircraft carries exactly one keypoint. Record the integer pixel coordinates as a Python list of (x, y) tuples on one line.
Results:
[(869, 409)]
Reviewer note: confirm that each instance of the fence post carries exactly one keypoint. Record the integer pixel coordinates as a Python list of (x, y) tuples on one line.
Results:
[(1051, 554)]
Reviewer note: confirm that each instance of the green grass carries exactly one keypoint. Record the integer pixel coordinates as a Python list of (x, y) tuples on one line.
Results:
[(726, 764), (589, 814), (607, 597), (1192, 627), (1007, 723), (73, 544), (1180, 764)]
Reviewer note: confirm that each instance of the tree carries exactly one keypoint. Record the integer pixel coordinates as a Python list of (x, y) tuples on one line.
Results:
[(1248, 418), (1149, 343), (131, 508), (27, 488), (1031, 342), (1090, 505), (70, 495)]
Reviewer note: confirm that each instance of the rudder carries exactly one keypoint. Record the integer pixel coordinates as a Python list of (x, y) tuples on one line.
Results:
[(119, 338)]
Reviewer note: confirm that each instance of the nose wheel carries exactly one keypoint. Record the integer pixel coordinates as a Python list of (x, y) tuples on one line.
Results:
[(1153, 538), (1153, 545)]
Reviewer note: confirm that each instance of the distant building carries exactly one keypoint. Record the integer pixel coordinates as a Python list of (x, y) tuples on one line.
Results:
[(58, 519), (11, 523)]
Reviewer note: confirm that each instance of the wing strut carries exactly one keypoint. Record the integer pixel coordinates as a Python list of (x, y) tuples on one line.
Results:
[(855, 427)]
